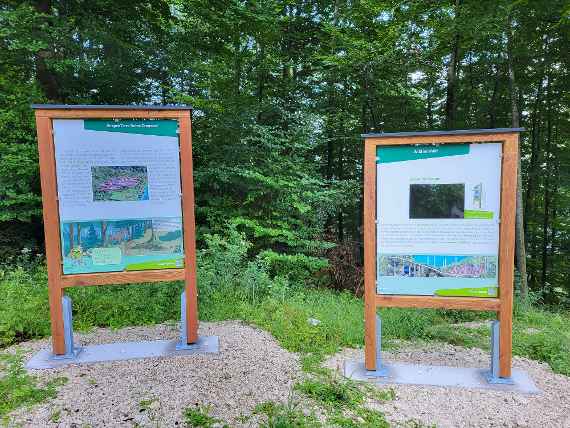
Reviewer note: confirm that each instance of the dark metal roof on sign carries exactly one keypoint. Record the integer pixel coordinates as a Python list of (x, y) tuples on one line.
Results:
[(108, 107), (452, 132)]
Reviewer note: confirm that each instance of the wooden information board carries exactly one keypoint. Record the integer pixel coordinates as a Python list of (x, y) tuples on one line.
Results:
[(439, 225), (118, 200)]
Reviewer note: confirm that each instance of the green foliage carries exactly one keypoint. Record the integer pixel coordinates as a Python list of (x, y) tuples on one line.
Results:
[(55, 416), (18, 388), (344, 400), (285, 415), (199, 417), (267, 187), (282, 92), (19, 181), (225, 264), (338, 402), (297, 268), (234, 287), (332, 392), (544, 336), (24, 309)]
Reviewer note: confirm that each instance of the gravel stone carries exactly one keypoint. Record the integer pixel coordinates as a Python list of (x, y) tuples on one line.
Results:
[(251, 368), (464, 407)]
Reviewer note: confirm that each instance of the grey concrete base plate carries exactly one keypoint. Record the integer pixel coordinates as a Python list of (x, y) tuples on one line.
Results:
[(44, 359), (73, 355), (462, 377)]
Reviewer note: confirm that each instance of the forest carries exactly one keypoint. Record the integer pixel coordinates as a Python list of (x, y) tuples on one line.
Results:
[(282, 91)]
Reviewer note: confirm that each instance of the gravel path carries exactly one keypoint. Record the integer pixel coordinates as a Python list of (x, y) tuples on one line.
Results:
[(251, 368), (462, 407)]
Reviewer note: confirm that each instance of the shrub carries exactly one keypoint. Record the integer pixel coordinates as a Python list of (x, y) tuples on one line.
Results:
[(299, 269)]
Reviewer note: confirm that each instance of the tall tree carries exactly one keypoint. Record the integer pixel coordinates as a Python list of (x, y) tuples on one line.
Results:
[(520, 245)]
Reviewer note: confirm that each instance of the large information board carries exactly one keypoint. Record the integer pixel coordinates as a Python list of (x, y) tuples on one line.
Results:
[(439, 225), (438, 210), (118, 201), (118, 184)]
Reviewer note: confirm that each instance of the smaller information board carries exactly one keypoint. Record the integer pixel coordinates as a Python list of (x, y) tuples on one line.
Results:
[(438, 211), (439, 227), (118, 184)]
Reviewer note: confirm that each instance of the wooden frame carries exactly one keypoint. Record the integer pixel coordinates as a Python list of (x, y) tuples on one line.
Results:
[(503, 305), (57, 281)]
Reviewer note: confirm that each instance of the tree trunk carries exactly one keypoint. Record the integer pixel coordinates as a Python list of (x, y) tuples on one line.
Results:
[(534, 154), (492, 107), (520, 247), (429, 107), (46, 78), (451, 99), (547, 193), (341, 177)]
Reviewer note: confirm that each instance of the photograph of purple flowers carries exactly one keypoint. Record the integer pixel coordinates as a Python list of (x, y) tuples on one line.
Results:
[(119, 183)]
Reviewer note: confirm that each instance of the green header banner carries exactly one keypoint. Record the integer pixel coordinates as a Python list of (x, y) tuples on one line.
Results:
[(389, 154), (162, 127)]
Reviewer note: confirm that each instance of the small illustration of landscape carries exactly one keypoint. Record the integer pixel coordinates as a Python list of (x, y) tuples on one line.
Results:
[(119, 183), (117, 245), (438, 266), (441, 275)]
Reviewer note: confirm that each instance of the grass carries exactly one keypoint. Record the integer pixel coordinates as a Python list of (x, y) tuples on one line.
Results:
[(345, 401), (19, 389), (285, 415), (325, 400), (199, 417)]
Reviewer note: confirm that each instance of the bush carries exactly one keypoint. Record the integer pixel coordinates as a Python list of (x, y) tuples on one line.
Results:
[(24, 310), (299, 269), (224, 264), (345, 271)]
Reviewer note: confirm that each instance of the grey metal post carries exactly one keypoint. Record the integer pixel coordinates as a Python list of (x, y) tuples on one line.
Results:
[(67, 324), (183, 331), (378, 342), (495, 334), (381, 370), (183, 343), (493, 374), (70, 350)]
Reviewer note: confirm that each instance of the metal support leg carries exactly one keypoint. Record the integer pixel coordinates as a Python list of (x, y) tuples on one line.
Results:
[(381, 370), (493, 374), (183, 343), (70, 350)]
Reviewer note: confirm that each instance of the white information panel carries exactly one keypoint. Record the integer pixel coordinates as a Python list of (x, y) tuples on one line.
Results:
[(119, 194), (438, 219)]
